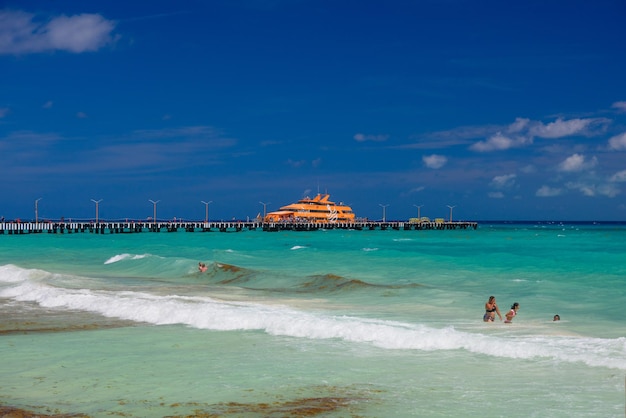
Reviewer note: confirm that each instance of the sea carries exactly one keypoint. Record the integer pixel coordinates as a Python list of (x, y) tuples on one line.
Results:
[(327, 323)]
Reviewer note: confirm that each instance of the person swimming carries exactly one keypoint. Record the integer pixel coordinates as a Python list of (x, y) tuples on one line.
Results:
[(201, 267), (491, 309), (511, 314), (556, 317)]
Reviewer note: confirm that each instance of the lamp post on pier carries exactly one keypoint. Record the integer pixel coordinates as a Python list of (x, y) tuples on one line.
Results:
[(154, 204), (37, 210), (97, 202), (419, 218), (264, 209), (451, 207), (206, 213), (384, 210)]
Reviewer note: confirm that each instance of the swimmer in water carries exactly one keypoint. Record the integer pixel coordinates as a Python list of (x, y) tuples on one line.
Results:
[(511, 314), (491, 309)]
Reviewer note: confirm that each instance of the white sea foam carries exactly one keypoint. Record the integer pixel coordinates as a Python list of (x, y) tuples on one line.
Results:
[(370, 249), (120, 257), (212, 314), (298, 247)]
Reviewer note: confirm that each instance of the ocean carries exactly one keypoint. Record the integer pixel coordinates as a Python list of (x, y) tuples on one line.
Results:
[(328, 323)]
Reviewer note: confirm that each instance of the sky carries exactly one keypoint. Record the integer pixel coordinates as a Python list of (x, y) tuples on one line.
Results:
[(501, 110)]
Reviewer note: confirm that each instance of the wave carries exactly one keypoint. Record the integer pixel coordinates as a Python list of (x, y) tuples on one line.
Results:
[(125, 256), (333, 282), (229, 273), (208, 313)]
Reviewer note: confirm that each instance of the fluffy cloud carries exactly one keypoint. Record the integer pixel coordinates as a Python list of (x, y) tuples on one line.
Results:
[(577, 162), (3, 112), (609, 190), (495, 195), (560, 128), (375, 138), (494, 143), (434, 161), (620, 106), (546, 191), (618, 142), (20, 34), (503, 182), (523, 131), (619, 177)]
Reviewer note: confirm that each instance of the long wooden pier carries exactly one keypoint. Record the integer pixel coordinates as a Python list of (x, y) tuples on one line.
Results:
[(123, 227)]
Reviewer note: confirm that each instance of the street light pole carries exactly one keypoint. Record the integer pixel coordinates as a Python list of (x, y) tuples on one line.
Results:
[(37, 209), (154, 204), (419, 218), (384, 210), (451, 207), (97, 202), (264, 209), (206, 214)]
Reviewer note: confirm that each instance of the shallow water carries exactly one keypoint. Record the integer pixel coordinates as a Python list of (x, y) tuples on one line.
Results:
[(328, 323)]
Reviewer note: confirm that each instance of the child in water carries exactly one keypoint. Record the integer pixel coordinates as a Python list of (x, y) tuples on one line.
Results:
[(511, 314)]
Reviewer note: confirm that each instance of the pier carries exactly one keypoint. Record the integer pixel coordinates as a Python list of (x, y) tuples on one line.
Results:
[(129, 227)]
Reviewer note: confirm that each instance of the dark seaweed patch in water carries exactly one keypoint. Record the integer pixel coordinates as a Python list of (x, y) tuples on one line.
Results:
[(223, 273), (31, 318), (345, 402), (305, 407), (332, 282), (12, 412), (229, 274)]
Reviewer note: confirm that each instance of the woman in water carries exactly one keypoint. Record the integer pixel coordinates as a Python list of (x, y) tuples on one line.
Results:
[(511, 314), (491, 309)]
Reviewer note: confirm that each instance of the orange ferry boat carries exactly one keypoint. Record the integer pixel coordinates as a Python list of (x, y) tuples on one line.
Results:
[(317, 210)]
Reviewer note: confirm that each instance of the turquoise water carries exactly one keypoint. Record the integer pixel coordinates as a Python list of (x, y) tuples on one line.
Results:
[(323, 323)]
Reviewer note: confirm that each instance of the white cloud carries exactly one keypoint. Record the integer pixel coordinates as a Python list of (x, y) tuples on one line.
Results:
[(48, 104), (587, 190), (519, 125), (620, 106), (591, 190), (577, 162), (434, 161), (609, 190), (495, 195), (3, 112), (81, 115), (375, 138), (618, 142), (560, 128), (494, 143), (546, 191), (523, 131), (619, 177), (20, 34), (503, 182)]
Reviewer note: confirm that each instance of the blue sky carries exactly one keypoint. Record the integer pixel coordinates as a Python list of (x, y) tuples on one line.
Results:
[(504, 110)]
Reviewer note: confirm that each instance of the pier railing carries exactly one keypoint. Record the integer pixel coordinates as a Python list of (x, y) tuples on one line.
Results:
[(118, 227)]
